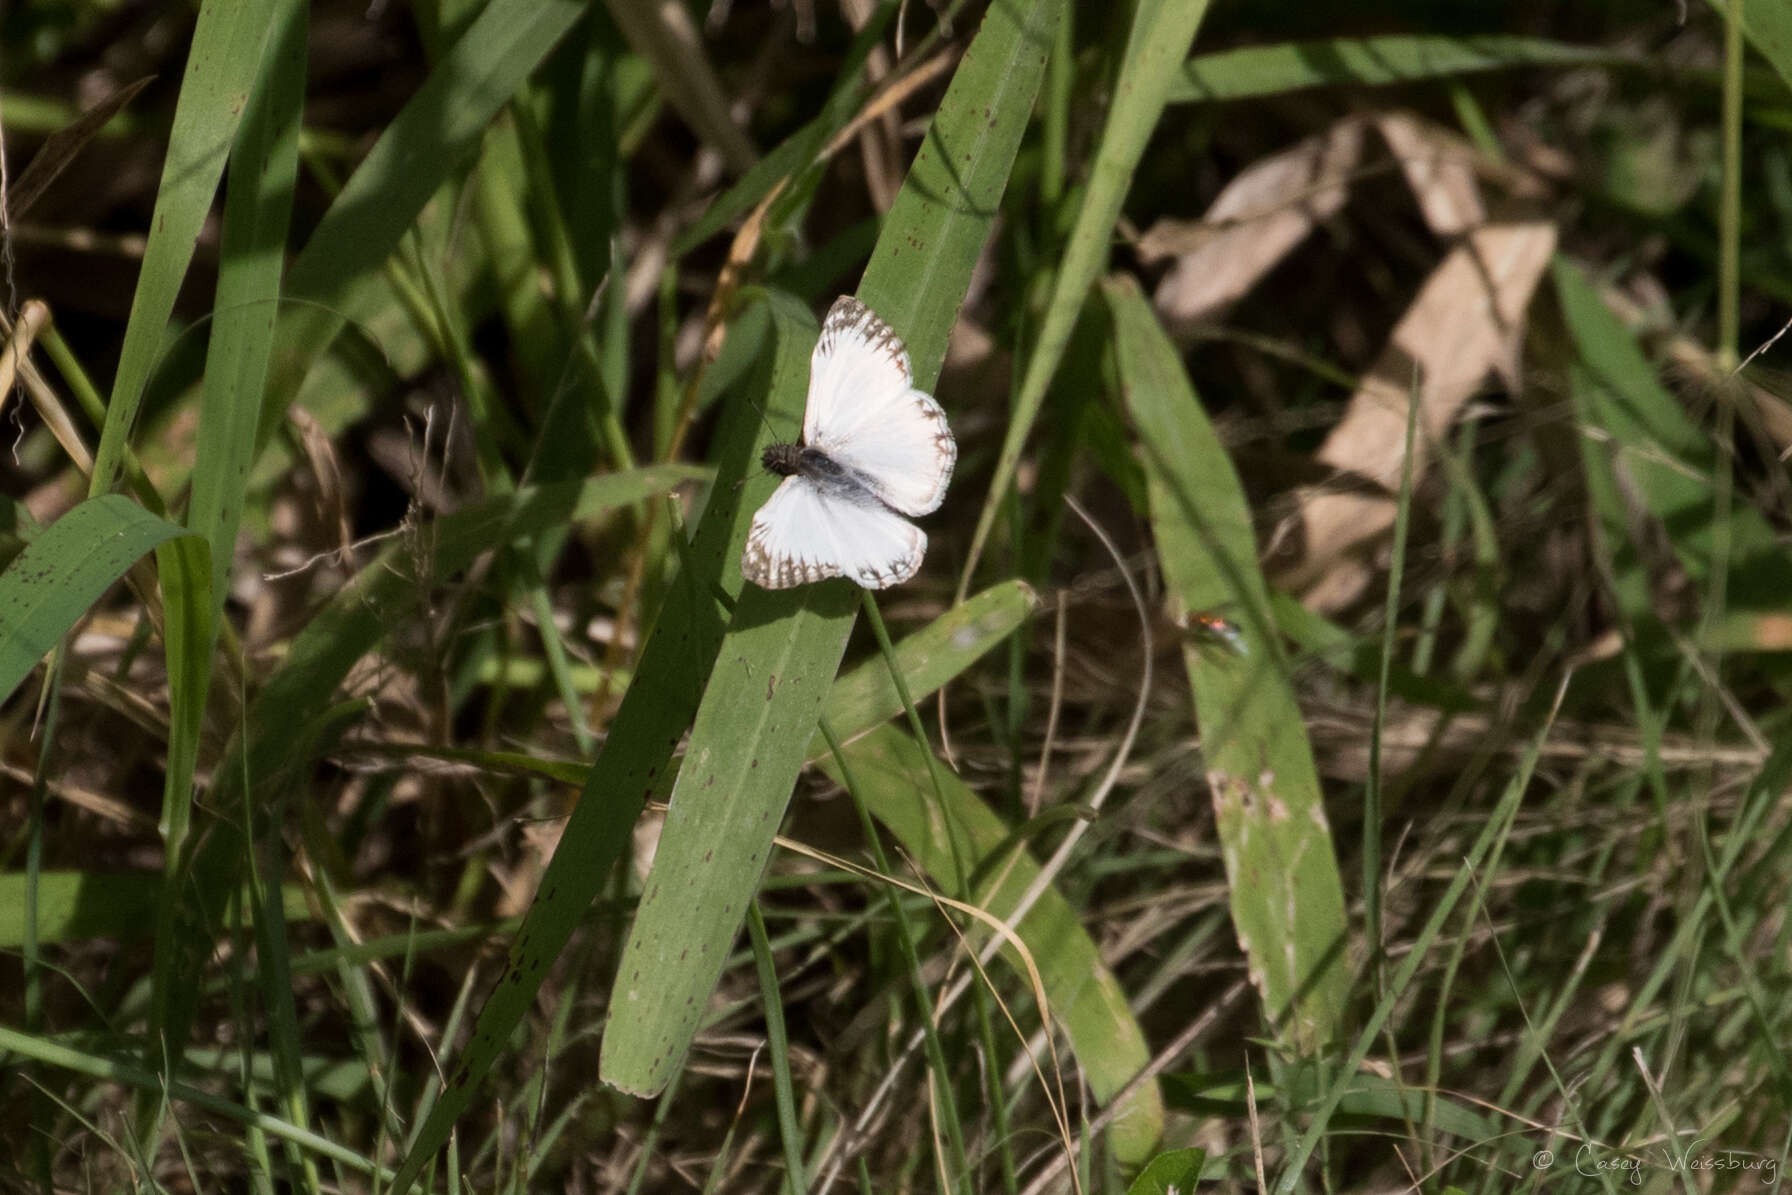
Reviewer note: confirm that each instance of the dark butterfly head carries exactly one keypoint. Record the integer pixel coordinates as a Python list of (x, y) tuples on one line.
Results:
[(783, 459)]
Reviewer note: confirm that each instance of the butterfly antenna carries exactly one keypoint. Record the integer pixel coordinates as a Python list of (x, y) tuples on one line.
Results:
[(764, 420), (760, 411)]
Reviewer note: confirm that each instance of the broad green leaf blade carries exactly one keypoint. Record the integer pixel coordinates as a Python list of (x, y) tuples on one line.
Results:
[(1369, 61), (1161, 33), (62, 572), (1173, 1172), (221, 65), (763, 700), (436, 133), (967, 837), (720, 824), (655, 712), (79, 906), (1286, 896), (1769, 29), (866, 697)]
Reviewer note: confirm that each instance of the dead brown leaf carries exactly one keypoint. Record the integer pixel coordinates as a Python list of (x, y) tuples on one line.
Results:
[(1256, 221), (1466, 320), (62, 146), (1439, 169)]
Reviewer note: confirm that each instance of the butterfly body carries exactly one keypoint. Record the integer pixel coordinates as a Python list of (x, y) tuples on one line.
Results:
[(820, 469), (874, 450)]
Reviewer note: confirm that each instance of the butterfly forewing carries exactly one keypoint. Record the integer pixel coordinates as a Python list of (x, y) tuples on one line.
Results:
[(804, 533), (865, 413)]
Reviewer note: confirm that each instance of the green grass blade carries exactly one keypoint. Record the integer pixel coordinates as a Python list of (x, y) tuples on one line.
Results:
[(360, 616), (195, 573), (777, 1045), (1368, 62), (890, 772), (753, 728), (742, 760), (792, 155), (655, 712), (112, 1071), (62, 572), (221, 65), (1367, 1094), (184, 567), (1161, 33), (1663, 457), (1286, 895), (1491, 839), (667, 38), (859, 701), (257, 212)]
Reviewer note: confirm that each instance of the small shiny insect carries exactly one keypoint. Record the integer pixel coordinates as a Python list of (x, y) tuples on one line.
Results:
[(874, 450), (1211, 627)]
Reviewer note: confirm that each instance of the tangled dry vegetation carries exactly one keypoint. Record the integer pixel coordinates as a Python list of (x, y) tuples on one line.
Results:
[(1372, 663)]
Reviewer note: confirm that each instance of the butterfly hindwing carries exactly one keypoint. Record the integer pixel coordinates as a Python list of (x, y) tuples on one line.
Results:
[(806, 533), (865, 413)]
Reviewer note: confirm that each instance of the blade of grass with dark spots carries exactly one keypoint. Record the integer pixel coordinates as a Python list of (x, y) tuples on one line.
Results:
[(761, 706), (221, 65), (1160, 36), (655, 711), (1286, 895), (50, 585)]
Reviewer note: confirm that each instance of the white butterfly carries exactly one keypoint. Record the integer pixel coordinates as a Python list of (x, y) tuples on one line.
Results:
[(874, 449)]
